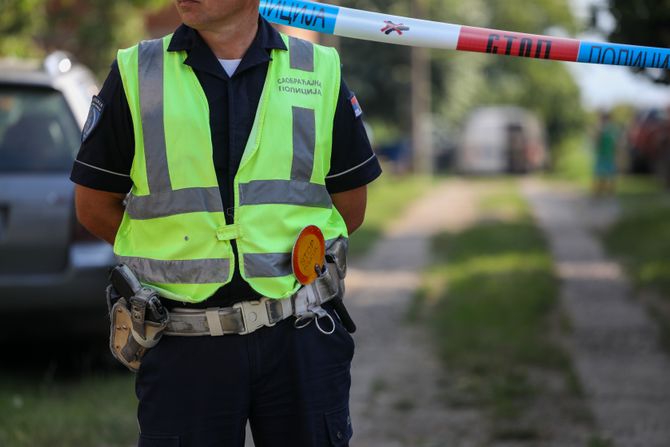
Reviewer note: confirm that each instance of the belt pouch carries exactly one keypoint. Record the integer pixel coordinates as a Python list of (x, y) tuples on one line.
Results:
[(121, 342)]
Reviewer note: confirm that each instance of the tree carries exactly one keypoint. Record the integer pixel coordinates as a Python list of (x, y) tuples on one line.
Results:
[(380, 73), (19, 22), (643, 22), (91, 29)]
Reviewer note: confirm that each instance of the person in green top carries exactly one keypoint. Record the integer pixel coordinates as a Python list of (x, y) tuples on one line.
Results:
[(605, 157)]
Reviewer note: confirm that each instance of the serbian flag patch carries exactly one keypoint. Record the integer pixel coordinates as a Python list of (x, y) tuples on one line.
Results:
[(356, 106)]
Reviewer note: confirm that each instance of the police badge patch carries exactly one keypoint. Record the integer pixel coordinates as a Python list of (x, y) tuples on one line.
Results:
[(94, 114)]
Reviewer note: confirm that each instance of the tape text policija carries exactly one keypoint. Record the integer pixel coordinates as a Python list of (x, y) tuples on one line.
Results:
[(635, 57), (296, 13)]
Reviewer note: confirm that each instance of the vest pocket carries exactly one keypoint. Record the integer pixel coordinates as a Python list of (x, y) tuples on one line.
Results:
[(339, 427)]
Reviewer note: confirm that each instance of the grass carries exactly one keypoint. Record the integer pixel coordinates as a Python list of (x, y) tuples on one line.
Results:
[(494, 309), (388, 197), (573, 160), (641, 238), (600, 442), (94, 412)]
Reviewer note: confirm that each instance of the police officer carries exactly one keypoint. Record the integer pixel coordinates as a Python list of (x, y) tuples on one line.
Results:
[(230, 137)]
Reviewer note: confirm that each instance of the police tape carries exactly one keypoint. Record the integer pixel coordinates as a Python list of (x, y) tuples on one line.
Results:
[(380, 27)]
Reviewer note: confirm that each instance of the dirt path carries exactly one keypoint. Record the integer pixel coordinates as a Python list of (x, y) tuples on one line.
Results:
[(399, 386), (614, 343), (396, 396)]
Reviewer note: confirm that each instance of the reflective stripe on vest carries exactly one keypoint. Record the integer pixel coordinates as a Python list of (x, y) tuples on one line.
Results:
[(150, 68), (271, 264), (301, 54), (192, 271), (163, 200)]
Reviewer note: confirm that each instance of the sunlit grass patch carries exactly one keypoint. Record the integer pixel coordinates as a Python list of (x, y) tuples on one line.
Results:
[(493, 316), (493, 308), (641, 238), (388, 197), (503, 201)]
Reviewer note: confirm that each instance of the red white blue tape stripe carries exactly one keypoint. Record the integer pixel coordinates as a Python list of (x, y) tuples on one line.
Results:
[(380, 27)]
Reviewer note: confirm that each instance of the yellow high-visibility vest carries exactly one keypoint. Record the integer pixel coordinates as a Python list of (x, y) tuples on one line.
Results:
[(174, 234)]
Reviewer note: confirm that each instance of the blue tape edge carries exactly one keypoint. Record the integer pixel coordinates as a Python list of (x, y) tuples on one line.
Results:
[(307, 15), (625, 55)]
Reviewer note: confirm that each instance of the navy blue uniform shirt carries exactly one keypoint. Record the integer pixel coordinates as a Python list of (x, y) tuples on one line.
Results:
[(106, 154)]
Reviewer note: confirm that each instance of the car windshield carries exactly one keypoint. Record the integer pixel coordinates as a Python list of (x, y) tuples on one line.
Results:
[(38, 132)]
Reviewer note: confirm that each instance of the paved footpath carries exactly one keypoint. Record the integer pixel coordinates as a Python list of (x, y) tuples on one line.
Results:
[(614, 343), (396, 396)]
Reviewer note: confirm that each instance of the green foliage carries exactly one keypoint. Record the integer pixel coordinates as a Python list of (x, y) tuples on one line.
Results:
[(643, 22), (19, 24), (91, 30), (104, 28), (380, 73), (531, 17)]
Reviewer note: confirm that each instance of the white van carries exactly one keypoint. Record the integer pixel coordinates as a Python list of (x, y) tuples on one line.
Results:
[(501, 139)]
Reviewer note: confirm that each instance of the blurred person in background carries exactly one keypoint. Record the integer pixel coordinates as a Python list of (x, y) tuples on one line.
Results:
[(605, 156)]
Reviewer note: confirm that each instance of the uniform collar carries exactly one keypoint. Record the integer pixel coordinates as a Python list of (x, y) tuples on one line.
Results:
[(201, 58)]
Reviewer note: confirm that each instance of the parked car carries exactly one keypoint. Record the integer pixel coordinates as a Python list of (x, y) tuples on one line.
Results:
[(644, 138), (649, 143), (502, 139), (52, 271)]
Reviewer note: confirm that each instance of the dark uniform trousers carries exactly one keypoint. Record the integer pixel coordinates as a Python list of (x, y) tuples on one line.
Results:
[(291, 384)]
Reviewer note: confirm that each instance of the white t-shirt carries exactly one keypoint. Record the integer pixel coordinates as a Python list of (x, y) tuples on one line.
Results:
[(230, 65)]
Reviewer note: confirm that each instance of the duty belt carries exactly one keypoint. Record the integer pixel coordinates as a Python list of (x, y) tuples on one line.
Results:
[(248, 316)]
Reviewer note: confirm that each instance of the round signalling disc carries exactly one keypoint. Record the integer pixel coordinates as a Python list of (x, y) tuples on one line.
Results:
[(309, 253)]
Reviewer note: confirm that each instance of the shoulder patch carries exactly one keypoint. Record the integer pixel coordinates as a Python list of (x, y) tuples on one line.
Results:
[(356, 106), (94, 114)]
